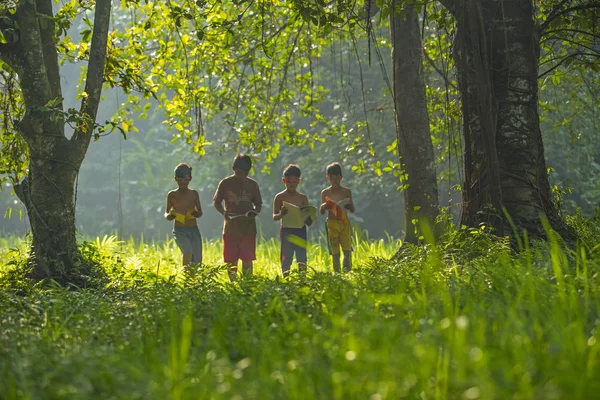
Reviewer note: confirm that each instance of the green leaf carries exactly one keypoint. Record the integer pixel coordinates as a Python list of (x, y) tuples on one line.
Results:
[(85, 35)]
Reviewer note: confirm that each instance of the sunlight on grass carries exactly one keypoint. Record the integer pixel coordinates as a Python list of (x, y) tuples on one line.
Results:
[(469, 319), (164, 258)]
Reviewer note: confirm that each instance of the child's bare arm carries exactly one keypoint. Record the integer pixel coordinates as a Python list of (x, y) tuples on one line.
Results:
[(278, 210), (309, 220), (350, 205), (218, 201), (198, 208), (304, 201), (323, 207), (168, 207), (257, 200)]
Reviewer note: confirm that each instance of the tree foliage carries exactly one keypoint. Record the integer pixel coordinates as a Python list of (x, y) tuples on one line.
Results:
[(269, 73)]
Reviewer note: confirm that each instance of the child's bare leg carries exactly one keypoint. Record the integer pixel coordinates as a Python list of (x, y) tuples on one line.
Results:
[(247, 267), (187, 259), (347, 260), (232, 272), (187, 262), (302, 266), (336, 262)]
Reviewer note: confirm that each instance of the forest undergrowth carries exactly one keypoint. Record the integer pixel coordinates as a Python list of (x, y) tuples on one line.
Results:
[(470, 317)]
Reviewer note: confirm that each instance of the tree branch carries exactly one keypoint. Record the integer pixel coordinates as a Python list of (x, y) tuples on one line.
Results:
[(44, 9), (95, 75), (575, 43), (578, 31), (553, 14), (557, 14), (263, 41), (579, 53), (370, 9), (439, 71), (33, 75)]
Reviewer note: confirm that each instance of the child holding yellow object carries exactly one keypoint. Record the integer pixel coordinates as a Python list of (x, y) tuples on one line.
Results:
[(183, 206), (293, 238), (335, 200), (181, 218)]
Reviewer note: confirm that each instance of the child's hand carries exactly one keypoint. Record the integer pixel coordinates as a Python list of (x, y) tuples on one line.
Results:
[(349, 206), (196, 213), (283, 211), (170, 215), (308, 221), (327, 205)]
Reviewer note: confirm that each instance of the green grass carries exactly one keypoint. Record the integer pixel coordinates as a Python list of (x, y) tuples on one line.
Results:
[(164, 258), (466, 319)]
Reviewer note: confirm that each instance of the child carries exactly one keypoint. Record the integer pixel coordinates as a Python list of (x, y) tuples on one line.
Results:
[(183, 206), (293, 240), (338, 227), (242, 203)]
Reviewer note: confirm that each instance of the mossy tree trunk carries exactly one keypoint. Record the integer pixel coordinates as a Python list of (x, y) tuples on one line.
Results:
[(48, 189), (497, 57)]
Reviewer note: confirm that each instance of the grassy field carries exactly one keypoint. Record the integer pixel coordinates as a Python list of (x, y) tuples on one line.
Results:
[(469, 318)]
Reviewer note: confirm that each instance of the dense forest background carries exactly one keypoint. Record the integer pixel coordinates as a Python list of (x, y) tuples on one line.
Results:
[(123, 182), (490, 137)]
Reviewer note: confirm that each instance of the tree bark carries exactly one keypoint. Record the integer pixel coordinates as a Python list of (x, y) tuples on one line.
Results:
[(497, 56), (48, 189), (482, 192), (412, 125), (48, 195)]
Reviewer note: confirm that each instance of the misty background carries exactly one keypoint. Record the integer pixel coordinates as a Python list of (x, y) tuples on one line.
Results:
[(123, 183)]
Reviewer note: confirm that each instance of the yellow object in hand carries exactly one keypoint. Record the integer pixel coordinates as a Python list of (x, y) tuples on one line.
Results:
[(181, 218), (188, 215)]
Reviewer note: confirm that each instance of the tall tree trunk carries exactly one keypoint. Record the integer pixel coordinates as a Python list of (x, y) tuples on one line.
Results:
[(48, 195), (482, 192), (497, 55), (412, 124), (48, 189)]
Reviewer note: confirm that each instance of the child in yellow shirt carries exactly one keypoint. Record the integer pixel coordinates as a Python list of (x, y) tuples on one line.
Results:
[(338, 226)]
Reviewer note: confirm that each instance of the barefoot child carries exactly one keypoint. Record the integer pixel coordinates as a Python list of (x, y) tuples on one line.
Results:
[(183, 206), (293, 240), (243, 202), (336, 199)]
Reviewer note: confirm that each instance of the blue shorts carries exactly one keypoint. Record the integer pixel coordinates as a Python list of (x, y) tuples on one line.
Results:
[(293, 240), (189, 241)]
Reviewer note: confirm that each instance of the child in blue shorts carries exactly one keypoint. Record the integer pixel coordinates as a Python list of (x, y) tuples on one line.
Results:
[(183, 206), (293, 240)]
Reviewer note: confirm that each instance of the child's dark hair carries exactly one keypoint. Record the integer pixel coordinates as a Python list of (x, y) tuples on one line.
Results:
[(292, 170), (243, 162), (183, 170), (334, 169)]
